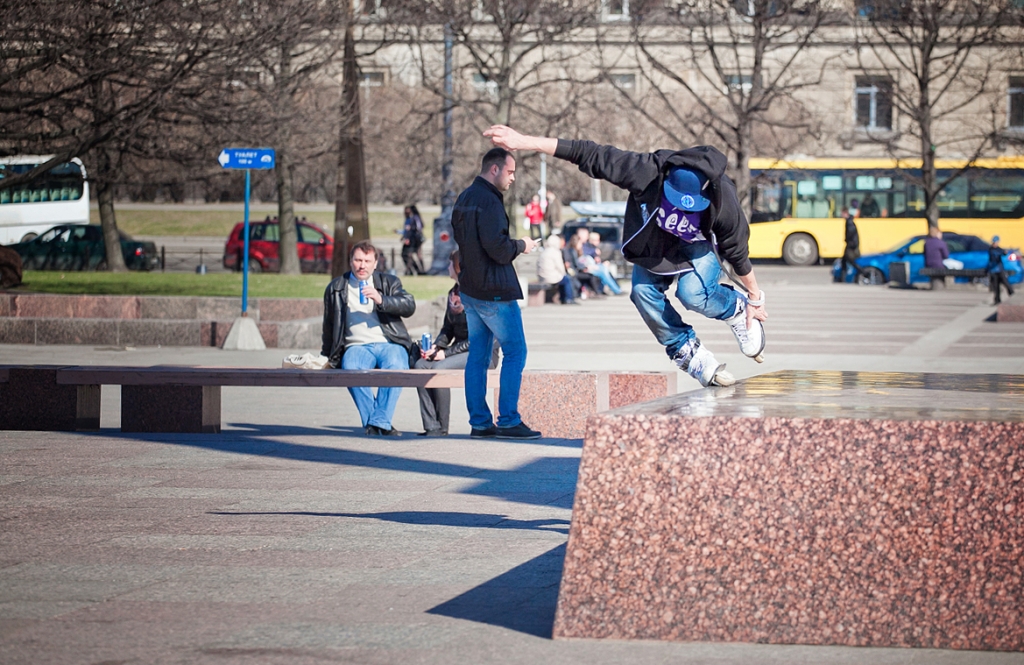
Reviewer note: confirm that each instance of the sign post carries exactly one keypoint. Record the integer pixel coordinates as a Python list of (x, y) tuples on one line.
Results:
[(247, 159), (244, 333)]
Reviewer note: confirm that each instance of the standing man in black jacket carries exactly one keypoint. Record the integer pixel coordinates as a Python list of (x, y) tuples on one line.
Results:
[(490, 289), (681, 212), (363, 329)]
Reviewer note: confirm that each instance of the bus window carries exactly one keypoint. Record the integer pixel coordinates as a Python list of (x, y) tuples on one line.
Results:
[(765, 204), (953, 197), (996, 196)]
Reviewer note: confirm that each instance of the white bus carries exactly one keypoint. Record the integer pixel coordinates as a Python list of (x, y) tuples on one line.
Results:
[(61, 196)]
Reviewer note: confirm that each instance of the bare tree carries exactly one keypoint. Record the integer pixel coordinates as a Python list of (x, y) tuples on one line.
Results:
[(514, 60), (931, 61), (82, 79), (729, 72)]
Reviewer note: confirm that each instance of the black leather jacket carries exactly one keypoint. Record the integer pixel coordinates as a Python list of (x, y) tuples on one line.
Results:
[(396, 304)]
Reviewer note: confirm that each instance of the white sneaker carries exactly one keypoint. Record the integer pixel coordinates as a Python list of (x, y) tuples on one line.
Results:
[(697, 361), (751, 340)]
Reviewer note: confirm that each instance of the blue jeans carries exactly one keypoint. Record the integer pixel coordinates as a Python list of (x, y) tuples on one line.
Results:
[(601, 270), (489, 320), (376, 411), (698, 290)]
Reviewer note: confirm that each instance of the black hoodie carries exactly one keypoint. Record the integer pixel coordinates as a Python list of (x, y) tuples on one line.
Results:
[(642, 174)]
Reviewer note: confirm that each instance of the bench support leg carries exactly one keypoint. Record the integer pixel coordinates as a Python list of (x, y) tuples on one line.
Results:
[(178, 409), (33, 400)]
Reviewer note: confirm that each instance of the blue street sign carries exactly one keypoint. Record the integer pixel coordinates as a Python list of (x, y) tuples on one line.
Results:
[(246, 158)]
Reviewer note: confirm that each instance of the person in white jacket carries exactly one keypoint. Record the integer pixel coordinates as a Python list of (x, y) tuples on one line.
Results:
[(551, 269)]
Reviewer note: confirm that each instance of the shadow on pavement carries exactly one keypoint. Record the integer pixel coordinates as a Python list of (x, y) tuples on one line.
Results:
[(472, 520), (544, 481), (523, 599)]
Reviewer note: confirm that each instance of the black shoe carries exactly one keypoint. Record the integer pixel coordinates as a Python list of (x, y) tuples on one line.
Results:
[(488, 433), (373, 430), (433, 432), (520, 431)]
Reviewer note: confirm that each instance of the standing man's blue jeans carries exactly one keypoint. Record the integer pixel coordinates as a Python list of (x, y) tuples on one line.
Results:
[(376, 411), (489, 320), (698, 290)]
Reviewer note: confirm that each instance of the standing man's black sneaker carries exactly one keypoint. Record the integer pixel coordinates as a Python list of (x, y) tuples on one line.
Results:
[(488, 433), (391, 431), (520, 431), (373, 430)]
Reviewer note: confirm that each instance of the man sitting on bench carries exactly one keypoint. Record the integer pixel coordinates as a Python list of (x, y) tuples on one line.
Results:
[(363, 329)]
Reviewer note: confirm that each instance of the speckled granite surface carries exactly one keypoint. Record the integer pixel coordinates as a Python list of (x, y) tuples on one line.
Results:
[(808, 508)]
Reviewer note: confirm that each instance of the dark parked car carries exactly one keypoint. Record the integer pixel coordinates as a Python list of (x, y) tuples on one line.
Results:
[(80, 247), (972, 251), (606, 220), (315, 247)]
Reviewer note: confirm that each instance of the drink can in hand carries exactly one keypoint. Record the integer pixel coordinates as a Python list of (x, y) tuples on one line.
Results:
[(425, 342), (362, 296)]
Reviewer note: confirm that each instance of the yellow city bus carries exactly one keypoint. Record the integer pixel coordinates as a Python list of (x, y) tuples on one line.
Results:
[(797, 204)]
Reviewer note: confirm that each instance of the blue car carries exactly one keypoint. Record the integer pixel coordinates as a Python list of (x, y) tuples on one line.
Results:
[(972, 251)]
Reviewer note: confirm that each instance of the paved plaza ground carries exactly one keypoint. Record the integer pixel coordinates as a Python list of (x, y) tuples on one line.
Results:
[(292, 538)]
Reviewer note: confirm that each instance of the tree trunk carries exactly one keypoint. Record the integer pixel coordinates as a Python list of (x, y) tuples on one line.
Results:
[(105, 196), (350, 199), (929, 175), (504, 117), (743, 148), (288, 248)]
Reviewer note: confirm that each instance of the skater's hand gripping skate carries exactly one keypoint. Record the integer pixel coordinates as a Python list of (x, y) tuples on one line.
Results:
[(755, 310)]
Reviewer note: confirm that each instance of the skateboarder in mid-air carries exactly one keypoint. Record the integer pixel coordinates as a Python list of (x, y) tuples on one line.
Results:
[(682, 211)]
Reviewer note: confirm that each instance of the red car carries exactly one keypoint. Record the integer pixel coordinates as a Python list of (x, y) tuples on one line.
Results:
[(315, 247)]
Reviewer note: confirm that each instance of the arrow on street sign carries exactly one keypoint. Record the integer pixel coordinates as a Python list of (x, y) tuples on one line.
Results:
[(246, 158)]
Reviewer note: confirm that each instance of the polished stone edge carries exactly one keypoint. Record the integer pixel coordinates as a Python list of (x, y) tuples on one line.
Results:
[(1006, 313), (671, 535)]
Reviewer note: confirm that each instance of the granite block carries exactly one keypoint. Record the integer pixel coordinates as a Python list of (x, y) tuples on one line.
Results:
[(148, 332), (179, 409), (268, 331), (1010, 313), (5, 304), (17, 331), (213, 333), (625, 388), (76, 331), (290, 309), (822, 508), (558, 403), (66, 408), (167, 307), (106, 307), (219, 309), (33, 305), (300, 335)]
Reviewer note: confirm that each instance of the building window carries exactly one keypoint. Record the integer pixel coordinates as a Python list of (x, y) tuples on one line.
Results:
[(873, 105), (742, 82), (372, 80), (370, 7), (624, 82), (1016, 102), (615, 9)]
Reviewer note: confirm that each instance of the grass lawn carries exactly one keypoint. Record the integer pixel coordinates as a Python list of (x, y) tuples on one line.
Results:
[(425, 287), (171, 220)]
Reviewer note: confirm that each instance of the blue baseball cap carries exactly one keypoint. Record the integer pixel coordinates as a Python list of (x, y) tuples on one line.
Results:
[(995, 238), (683, 189)]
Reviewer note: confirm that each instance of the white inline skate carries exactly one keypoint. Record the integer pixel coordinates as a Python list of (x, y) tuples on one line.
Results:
[(696, 360), (751, 340)]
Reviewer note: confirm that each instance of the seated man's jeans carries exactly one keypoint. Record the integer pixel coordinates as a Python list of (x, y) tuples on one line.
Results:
[(376, 411), (489, 320), (698, 290), (601, 270)]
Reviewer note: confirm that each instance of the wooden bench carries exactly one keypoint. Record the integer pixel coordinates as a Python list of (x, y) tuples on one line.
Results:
[(938, 275), (168, 398)]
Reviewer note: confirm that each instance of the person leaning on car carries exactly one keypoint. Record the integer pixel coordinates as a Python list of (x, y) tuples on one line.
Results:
[(370, 334)]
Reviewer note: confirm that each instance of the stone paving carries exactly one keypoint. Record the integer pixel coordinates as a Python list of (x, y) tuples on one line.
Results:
[(292, 538)]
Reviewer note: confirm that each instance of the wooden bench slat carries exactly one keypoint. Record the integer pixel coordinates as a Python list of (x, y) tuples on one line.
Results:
[(258, 376), (950, 272)]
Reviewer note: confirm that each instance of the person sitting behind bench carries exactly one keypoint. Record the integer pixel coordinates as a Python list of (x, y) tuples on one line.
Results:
[(368, 335), (551, 269), (449, 351), (936, 251)]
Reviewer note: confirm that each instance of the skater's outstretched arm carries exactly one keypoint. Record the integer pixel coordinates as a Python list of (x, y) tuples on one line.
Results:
[(510, 139)]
